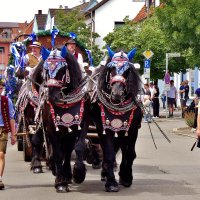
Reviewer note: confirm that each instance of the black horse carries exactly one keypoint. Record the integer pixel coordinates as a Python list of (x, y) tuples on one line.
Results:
[(117, 116), (63, 111)]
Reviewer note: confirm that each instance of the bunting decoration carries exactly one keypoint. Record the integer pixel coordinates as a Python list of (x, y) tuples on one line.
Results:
[(89, 57), (54, 33), (72, 35)]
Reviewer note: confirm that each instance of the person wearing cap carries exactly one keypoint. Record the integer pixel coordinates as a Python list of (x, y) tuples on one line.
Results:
[(71, 47), (32, 59), (7, 126)]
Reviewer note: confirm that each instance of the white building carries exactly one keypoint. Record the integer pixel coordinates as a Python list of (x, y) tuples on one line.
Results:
[(108, 14)]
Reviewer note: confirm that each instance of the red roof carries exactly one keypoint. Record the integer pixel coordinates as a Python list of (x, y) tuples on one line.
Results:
[(141, 15)]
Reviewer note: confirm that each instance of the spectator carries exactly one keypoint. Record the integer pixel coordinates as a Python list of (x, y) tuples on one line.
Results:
[(163, 98), (147, 103), (181, 93), (151, 88), (186, 91), (171, 97), (155, 102)]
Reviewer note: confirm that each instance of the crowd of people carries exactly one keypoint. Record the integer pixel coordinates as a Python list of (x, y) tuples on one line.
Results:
[(152, 97)]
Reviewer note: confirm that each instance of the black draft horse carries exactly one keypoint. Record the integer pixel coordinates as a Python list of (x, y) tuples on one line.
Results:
[(63, 111), (117, 116)]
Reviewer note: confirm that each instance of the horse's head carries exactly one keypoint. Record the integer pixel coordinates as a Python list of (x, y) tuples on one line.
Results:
[(121, 80), (61, 69)]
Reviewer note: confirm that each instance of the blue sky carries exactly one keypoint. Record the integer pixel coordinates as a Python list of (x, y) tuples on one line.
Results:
[(23, 10)]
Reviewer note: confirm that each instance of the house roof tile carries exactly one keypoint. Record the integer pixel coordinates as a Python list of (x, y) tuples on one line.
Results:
[(9, 24)]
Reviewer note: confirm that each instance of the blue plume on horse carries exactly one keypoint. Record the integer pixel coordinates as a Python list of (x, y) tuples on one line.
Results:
[(45, 53), (131, 53), (63, 52), (110, 51)]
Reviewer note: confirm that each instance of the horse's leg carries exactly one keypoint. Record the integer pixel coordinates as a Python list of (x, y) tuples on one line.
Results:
[(128, 156), (128, 152), (79, 171), (61, 184), (109, 159), (68, 148), (37, 141)]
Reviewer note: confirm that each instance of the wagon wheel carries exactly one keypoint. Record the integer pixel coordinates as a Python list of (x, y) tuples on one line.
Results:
[(20, 139), (19, 143), (27, 148)]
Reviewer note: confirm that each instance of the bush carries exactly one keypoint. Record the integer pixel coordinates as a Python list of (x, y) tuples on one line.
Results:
[(189, 118)]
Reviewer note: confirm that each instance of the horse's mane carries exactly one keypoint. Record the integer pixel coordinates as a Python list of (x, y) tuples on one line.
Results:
[(74, 70), (134, 82)]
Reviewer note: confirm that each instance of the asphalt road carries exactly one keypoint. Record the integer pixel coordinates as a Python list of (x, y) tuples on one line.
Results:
[(169, 172)]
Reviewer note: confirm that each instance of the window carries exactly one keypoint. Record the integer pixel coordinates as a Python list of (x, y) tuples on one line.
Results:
[(117, 24), (2, 50)]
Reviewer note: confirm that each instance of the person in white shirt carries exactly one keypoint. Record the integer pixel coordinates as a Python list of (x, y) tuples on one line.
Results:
[(171, 98), (71, 47)]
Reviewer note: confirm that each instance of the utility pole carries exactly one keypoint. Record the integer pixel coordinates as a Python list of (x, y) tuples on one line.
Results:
[(147, 7), (91, 33)]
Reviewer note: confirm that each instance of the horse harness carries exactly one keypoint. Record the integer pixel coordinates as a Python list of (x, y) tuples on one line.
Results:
[(116, 117)]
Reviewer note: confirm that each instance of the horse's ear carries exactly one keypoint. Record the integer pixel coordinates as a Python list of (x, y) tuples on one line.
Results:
[(45, 53), (63, 52), (110, 51), (131, 53)]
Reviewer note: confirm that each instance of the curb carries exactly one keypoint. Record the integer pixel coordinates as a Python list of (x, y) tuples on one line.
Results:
[(178, 132)]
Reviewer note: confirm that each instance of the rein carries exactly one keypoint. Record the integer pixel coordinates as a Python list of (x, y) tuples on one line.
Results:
[(121, 108)]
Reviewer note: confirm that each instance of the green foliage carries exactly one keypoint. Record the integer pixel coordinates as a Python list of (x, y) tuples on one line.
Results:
[(179, 20), (189, 118), (73, 21), (144, 36)]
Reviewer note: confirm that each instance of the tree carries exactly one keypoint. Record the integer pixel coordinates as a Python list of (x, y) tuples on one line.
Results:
[(179, 20), (145, 35), (73, 21)]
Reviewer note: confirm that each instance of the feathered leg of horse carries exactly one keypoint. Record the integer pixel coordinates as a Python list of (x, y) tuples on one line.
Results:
[(37, 144), (79, 171), (128, 150), (111, 184)]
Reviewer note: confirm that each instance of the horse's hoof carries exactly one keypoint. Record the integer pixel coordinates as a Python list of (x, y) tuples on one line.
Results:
[(103, 175), (69, 181), (125, 183), (96, 166), (112, 188), (62, 189), (37, 170), (103, 178), (79, 173)]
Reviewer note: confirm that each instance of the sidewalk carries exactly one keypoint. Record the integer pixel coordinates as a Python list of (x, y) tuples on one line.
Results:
[(177, 124)]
